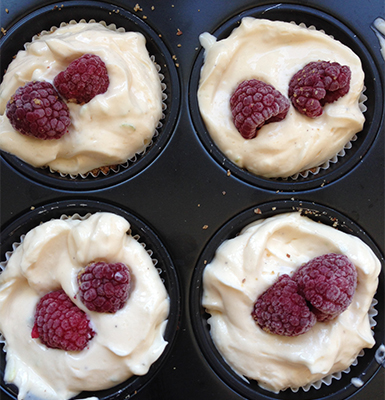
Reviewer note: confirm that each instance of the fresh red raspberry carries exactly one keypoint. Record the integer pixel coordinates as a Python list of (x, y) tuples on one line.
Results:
[(328, 283), (83, 79), (282, 310), (60, 324), (104, 287), (36, 110), (316, 84), (254, 104)]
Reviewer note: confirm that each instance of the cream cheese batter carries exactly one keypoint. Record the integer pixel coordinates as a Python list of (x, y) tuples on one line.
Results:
[(273, 51), (246, 266), (113, 126), (126, 343)]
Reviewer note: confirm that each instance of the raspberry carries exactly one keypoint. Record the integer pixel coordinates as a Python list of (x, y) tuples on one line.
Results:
[(316, 84), (36, 109), (282, 310), (328, 283), (60, 324), (104, 287), (254, 104), (83, 79)]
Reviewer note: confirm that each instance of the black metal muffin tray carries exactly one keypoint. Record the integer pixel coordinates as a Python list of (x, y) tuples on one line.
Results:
[(183, 197)]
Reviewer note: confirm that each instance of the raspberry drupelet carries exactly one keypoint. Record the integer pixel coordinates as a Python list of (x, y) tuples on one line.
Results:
[(36, 110), (83, 79), (255, 103), (282, 310), (328, 283), (60, 324), (104, 287), (316, 84)]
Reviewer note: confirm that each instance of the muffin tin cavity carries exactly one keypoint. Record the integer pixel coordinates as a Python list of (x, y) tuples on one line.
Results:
[(341, 385), (355, 150), (13, 233), (52, 16)]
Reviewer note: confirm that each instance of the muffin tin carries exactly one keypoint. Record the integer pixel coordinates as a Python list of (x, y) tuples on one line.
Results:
[(186, 197)]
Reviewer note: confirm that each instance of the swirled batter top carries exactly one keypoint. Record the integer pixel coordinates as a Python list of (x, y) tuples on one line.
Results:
[(126, 343), (113, 126), (273, 51), (246, 266)]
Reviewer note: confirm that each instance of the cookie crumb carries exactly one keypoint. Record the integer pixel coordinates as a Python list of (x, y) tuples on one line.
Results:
[(273, 208), (144, 16), (257, 211), (6, 10), (205, 227), (179, 32), (228, 173), (179, 45), (3, 31), (152, 8), (223, 193), (137, 8), (32, 208)]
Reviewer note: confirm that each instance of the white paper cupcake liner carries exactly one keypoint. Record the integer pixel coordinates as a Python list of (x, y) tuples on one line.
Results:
[(380, 355), (108, 169)]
